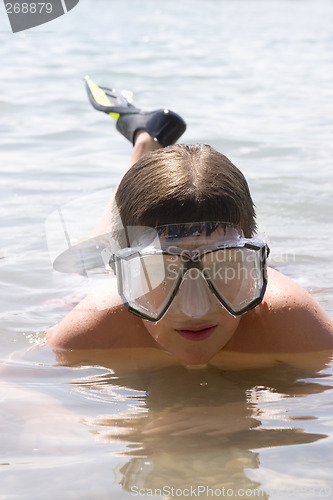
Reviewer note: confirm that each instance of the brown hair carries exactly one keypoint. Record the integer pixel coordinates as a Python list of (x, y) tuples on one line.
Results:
[(185, 183)]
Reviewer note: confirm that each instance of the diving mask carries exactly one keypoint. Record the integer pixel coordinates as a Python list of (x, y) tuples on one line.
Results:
[(195, 261)]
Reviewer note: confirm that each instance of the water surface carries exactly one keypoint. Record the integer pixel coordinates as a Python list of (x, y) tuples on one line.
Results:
[(254, 80)]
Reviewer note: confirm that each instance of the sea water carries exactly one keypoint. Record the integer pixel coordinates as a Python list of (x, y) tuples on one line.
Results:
[(255, 80)]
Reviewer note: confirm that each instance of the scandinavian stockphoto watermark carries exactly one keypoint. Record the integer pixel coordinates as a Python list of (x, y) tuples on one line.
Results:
[(26, 14)]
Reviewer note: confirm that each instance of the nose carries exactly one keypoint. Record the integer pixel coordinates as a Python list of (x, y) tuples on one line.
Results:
[(194, 297)]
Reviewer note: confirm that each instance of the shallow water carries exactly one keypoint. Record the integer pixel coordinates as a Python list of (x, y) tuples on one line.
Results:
[(254, 80)]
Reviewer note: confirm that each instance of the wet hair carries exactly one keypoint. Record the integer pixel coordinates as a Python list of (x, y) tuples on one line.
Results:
[(185, 183)]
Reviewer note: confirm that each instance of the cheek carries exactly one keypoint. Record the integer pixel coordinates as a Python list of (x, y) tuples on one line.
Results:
[(154, 329), (229, 325)]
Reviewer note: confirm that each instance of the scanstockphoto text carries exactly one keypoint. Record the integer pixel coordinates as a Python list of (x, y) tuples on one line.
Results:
[(196, 492), (223, 492)]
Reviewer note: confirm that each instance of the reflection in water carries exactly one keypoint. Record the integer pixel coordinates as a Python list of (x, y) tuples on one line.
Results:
[(183, 428)]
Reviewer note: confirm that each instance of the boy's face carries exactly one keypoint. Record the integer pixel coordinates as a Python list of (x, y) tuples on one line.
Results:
[(199, 263), (194, 340)]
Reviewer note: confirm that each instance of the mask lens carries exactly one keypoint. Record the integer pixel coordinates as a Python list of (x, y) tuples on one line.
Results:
[(148, 282), (236, 276), (194, 297)]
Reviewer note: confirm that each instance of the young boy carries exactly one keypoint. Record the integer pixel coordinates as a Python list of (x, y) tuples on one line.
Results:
[(215, 295)]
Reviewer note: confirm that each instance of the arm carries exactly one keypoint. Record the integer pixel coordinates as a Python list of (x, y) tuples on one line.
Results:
[(100, 321)]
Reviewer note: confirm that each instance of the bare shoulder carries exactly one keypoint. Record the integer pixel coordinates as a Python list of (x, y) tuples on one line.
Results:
[(100, 321), (289, 320), (284, 293)]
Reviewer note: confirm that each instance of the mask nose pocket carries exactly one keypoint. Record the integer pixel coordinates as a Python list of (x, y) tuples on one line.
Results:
[(193, 298)]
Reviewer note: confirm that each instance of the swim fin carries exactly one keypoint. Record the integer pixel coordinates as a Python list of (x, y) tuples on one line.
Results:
[(163, 125)]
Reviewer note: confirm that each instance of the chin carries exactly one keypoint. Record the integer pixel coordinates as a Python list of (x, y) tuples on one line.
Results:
[(196, 362), (191, 347), (195, 356)]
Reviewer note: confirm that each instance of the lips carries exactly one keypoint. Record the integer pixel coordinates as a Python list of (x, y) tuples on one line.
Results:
[(197, 332)]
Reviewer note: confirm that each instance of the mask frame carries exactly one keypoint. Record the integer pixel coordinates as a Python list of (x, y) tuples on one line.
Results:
[(192, 261)]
